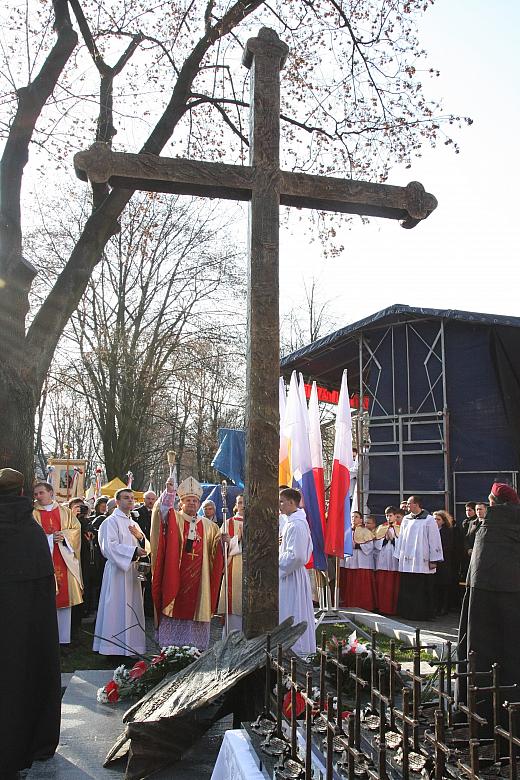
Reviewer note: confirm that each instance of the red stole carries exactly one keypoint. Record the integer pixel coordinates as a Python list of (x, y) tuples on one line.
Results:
[(51, 523)]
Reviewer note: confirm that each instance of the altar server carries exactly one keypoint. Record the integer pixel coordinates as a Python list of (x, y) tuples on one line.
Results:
[(387, 565), (295, 597), (120, 618), (357, 581), (418, 549), (63, 533)]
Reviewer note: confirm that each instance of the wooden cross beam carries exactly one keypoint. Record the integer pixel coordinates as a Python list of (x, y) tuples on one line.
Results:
[(266, 187)]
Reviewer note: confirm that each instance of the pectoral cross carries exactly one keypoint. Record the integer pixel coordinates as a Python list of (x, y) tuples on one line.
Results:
[(193, 554), (266, 187)]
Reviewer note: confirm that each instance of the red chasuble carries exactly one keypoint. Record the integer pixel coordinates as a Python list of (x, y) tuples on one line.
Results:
[(190, 574), (177, 573), (51, 523), (165, 580)]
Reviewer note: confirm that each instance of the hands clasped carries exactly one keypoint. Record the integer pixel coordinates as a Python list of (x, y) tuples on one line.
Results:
[(138, 534)]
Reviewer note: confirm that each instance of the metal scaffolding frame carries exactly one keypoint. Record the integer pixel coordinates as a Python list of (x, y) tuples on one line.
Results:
[(429, 410)]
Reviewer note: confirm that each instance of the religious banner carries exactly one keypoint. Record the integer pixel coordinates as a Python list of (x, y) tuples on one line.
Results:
[(67, 477)]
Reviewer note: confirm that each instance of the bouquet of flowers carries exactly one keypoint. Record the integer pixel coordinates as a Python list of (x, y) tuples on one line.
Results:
[(145, 675), (349, 648)]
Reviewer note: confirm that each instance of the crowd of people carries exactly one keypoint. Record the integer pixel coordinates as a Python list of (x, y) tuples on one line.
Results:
[(69, 562), (382, 574)]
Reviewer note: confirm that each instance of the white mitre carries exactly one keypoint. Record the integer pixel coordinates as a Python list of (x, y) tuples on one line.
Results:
[(189, 487)]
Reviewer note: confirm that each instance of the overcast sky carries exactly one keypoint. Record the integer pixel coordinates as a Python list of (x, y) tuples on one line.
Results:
[(466, 254)]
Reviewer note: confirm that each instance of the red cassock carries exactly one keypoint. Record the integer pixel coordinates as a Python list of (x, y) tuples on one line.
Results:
[(357, 584), (357, 589), (387, 591)]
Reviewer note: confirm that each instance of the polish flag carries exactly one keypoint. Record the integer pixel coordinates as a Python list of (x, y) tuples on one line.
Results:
[(338, 539)]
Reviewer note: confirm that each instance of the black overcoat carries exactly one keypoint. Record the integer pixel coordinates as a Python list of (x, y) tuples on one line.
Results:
[(30, 682), (490, 619)]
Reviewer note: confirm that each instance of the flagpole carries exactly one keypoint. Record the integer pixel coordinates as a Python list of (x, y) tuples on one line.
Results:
[(336, 586), (359, 483)]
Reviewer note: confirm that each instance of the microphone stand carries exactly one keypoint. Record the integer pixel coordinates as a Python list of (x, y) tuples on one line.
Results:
[(223, 493)]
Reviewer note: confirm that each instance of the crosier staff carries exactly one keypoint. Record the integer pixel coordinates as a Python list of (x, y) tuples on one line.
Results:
[(223, 493)]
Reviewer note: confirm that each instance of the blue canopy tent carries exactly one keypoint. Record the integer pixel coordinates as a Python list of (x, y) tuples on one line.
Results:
[(443, 390)]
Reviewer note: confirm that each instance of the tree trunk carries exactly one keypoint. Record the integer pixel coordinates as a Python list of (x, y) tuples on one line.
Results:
[(18, 405)]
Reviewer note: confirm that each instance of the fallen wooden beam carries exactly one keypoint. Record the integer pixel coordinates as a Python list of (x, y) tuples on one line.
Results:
[(167, 721)]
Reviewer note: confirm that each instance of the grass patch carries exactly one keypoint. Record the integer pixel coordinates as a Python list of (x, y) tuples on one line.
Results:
[(79, 654)]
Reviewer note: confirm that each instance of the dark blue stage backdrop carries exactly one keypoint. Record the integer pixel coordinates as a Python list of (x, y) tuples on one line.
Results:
[(444, 400)]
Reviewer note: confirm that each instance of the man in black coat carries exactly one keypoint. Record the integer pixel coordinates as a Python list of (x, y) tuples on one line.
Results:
[(30, 700), (490, 619)]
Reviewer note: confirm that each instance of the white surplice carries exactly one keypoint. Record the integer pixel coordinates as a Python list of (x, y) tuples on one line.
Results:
[(385, 558), (120, 616), (362, 557), (295, 589), (418, 544)]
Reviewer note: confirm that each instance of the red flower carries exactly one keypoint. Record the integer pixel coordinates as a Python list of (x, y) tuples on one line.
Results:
[(300, 704), (158, 659), (138, 670), (112, 691)]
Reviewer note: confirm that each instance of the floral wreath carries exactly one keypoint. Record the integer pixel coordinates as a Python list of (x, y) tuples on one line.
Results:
[(144, 675)]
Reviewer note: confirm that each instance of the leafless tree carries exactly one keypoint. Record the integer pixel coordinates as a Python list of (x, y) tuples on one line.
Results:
[(164, 276), (307, 322), (352, 100)]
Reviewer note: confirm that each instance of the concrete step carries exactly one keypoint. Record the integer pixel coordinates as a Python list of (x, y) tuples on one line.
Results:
[(89, 729)]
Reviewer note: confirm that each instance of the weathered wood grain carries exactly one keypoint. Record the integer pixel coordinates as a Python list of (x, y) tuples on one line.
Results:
[(264, 56), (236, 182)]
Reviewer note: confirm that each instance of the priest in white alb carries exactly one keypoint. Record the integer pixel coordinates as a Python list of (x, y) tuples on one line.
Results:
[(418, 549), (295, 597), (120, 618)]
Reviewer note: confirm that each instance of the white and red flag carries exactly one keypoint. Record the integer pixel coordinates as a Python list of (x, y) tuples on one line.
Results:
[(316, 451), (337, 541)]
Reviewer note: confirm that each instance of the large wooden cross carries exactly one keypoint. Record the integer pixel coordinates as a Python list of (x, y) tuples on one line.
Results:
[(266, 187)]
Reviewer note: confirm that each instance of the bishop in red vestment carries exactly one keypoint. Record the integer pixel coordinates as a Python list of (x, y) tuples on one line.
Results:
[(187, 564)]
